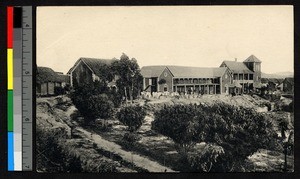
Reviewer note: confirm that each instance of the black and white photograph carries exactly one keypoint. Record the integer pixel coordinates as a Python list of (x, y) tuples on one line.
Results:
[(164, 89)]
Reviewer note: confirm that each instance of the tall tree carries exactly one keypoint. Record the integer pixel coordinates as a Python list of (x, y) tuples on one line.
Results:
[(130, 78)]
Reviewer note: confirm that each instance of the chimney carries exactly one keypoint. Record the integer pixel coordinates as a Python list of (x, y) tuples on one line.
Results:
[(235, 59)]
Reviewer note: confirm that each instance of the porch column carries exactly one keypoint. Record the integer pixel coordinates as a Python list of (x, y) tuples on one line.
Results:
[(207, 89), (144, 83), (215, 89)]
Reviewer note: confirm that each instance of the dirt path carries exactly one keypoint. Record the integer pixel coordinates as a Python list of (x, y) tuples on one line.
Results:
[(138, 160)]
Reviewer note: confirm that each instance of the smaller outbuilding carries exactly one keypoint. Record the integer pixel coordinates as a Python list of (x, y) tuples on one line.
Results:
[(288, 85), (47, 80)]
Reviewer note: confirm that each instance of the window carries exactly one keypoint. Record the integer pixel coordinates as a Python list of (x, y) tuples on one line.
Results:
[(235, 76), (240, 76), (226, 76), (251, 77)]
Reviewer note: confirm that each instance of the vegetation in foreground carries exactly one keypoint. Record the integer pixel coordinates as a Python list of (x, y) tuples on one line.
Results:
[(231, 134)]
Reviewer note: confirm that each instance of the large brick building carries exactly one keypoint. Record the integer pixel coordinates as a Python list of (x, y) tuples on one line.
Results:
[(231, 76)]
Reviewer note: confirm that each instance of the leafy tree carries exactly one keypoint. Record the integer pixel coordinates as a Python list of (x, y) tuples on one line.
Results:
[(132, 117), (92, 102), (238, 131), (130, 78), (178, 123)]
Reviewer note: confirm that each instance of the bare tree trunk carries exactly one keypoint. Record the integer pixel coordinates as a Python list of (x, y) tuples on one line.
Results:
[(125, 94), (131, 92)]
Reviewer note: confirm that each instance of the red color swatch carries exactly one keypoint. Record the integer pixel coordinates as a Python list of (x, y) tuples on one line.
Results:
[(10, 25)]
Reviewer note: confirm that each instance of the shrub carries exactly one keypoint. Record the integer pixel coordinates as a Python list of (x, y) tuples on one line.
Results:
[(268, 104), (238, 131), (94, 106), (204, 160), (177, 122), (132, 117), (58, 90)]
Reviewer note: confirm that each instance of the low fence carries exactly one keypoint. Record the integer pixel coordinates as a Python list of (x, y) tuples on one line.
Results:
[(158, 95)]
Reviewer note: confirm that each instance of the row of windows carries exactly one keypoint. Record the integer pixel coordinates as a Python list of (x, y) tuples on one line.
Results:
[(242, 77), (196, 81)]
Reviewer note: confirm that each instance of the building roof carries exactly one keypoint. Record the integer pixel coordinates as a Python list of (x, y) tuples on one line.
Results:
[(63, 78), (289, 80), (236, 67), (183, 71), (93, 63), (152, 71), (196, 72), (46, 74), (252, 58)]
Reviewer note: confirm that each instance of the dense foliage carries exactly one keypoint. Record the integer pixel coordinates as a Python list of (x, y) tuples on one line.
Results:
[(130, 80), (58, 90), (51, 156), (238, 131), (92, 101), (132, 117)]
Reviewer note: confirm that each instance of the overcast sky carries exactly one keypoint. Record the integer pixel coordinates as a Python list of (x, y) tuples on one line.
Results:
[(183, 35)]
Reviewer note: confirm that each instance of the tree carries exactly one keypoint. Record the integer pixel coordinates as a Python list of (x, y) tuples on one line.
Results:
[(238, 131), (92, 102), (177, 122), (132, 117), (130, 78)]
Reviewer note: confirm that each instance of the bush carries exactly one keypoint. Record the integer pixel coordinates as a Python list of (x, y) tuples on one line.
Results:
[(283, 106), (58, 90), (238, 131), (177, 122), (91, 102), (132, 117), (268, 104), (204, 160), (50, 155)]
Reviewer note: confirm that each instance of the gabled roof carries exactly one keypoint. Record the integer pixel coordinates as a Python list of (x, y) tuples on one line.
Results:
[(63, 78), (46, 74), (236, 67), (152, 71), (252, 58), (196, 72), (183, 71), (289, 80), (93, 63)]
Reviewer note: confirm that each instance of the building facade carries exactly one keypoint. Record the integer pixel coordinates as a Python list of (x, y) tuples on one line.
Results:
[(88, 70), (47, 80), (185, 79), (230, 77)]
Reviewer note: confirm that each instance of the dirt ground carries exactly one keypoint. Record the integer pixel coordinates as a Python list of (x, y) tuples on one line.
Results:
[(152, 147)]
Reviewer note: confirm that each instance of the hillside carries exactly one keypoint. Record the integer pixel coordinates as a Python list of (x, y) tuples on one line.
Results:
[(88, 148), (277, 75)]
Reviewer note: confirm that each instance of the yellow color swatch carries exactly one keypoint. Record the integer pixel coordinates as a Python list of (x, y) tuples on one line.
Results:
[(10, 82)]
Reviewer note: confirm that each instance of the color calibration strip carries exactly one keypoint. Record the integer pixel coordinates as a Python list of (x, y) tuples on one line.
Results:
[(10, 83), (19, 58)]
